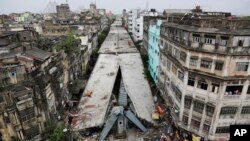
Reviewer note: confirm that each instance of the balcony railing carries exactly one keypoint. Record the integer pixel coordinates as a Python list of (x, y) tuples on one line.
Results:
[(232, 97), (237, 50)]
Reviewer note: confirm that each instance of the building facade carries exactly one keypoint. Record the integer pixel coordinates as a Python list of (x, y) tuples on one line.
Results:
[(153, 50), (63, 11), (204, 72), (135, 22)]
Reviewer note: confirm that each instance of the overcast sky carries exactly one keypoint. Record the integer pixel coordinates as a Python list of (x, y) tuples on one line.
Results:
[(238, 7)]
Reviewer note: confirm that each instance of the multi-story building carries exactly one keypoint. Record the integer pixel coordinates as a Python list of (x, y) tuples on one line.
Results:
[(153, 50), (135, 22), (204, 71), (132, 16), (63, 11)]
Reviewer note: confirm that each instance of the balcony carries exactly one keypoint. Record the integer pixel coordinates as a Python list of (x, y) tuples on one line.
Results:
[(197, 114), (215, 48), (239, 50), (231, 97), (24, 104)]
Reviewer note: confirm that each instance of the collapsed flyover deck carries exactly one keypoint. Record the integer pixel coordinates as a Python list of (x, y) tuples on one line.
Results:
[(117, 51), (92, 109)]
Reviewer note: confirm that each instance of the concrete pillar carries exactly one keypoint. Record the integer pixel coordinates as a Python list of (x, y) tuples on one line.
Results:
[(217, 38), (188, 59), (21, 135), (202, 38), (202, 119), (226, 67), (190, 36), (230, 41), (244, 89), (248, 69), (190, 114), (213, 64)]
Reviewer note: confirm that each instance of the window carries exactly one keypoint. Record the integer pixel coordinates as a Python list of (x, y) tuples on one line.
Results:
[(248, 90), (185, 120), (170, 49), (178, 93), (161, 42), (176, 53), (209, 110), (174, 70), (196, 37), (206, 64), (191, 80), (31, 132), (166, 46), (228, 110), (198, 107), (1, 99), (27, 114), (168, 65), (222, 129), (187, 102), (240, 43), (245, 110), (193, 61), (183, 56), (202, 84), (13, 73), (242, 66), (215, 87), (195, 124), (224, 41), (234, 90), (181, 75), (206, 128), (209, 39), (218, 66)]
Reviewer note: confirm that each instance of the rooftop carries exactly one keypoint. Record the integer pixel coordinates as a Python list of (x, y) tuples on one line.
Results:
[(37, 54), (208, 30)]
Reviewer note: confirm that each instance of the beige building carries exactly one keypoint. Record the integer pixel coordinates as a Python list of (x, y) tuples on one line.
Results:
[(204, 72)]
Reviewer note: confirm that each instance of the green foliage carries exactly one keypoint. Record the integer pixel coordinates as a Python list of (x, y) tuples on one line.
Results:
[(69, 45), (102, 36), (44, 44), (57, 134), (50, 126)]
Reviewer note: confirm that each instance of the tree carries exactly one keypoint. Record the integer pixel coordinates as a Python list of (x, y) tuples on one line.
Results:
[(69, 45), (57, 134), (44, 44)]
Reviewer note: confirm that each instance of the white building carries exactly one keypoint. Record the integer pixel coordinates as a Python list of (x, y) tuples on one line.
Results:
[(135, 22)]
